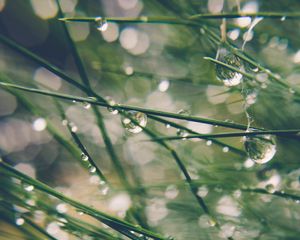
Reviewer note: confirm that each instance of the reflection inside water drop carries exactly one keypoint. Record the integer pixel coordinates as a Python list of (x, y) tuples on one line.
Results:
[(128, 121), (261, 149), (227, 76), (101, 24)]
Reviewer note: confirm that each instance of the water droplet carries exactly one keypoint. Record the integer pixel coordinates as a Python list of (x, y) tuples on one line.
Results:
[(104, 188), (84, 157), (168, 125), (283, 18), (260, 149), (80, 213), (292, 91), (225, 149), (28, 188), (209, 142), (74, 128), (227, 76), (86, 105), (251, 98), (202, 191), (111, 104), (182, 133), (270, 188), (20, 221), (64, 122), (92, 169), (101, 24), (130, 126)]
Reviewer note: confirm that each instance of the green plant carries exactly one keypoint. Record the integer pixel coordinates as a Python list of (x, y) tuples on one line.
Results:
[(147, 168)]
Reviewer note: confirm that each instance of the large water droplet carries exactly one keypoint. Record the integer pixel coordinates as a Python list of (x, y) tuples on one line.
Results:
[(139, 117), (260, 149), (101, 24), (227, 76), (84, 157)]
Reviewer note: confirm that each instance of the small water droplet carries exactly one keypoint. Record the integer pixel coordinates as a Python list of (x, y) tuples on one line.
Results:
[(168, 125), (20, 221), (209, 142), (292, 91), (111, 104), (130, 126), (202, 191), (270, 188), (74, 128), (104, 188), (86, 105), (251, 98), (28, 188), (80, 213), (101, 24), (182, 133), (283, 18), (227, 76), (84, 157), (225, 149), (64, 122), (260, 149), (92, 169)]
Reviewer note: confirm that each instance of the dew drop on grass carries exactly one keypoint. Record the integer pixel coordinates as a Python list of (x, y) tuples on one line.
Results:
[(111, 104), (270, 188), (225, 149), (260, 149), (86, 105), (209, 142), (101, 24), (282, 18), (92, 169), (104, 188), (28, 188), (130, 126), (168, 125), (84, 157), (202, 191), (227, 76)]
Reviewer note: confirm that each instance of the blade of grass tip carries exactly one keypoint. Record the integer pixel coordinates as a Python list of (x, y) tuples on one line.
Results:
[(178, 126), (99, 118), (285, 133), (108, 220), (129, 107)]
